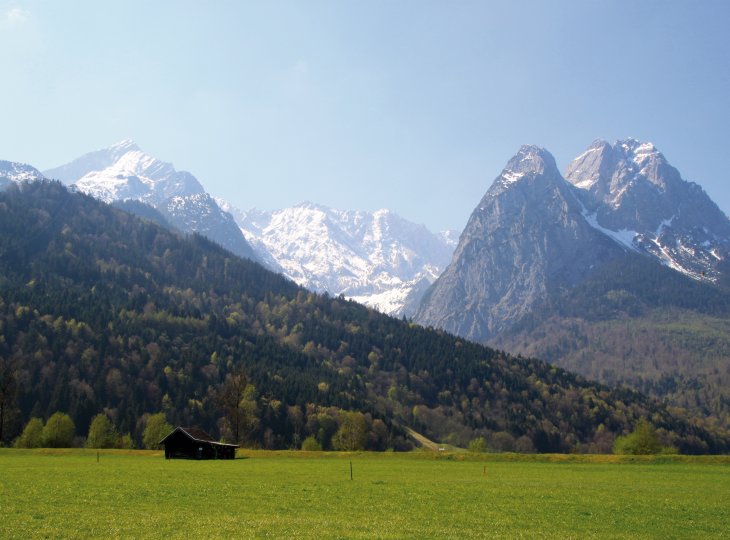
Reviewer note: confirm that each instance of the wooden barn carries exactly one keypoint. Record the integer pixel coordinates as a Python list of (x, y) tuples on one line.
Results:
[(194, 443)]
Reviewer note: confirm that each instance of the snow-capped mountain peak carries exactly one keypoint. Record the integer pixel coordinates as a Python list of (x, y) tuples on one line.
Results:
[(629, 187), (124, 172), (124, 146), (611, 172)]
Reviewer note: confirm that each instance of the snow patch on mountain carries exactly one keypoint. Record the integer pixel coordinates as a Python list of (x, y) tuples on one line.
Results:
[(12, 172), (624, 237)]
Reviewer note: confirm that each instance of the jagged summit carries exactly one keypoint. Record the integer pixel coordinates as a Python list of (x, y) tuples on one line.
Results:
[(92, 161), (608, 171), (530, 161), (125, 145), (630, 188)]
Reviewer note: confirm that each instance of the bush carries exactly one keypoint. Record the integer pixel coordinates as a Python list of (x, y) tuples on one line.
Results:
[(125, 442), (32, 436), (310, 444)]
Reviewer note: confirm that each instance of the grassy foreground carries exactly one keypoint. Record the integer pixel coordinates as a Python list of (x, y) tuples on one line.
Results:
[(66, 493)]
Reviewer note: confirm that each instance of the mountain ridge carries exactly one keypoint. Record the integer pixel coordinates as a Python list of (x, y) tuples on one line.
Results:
[(377, 258)]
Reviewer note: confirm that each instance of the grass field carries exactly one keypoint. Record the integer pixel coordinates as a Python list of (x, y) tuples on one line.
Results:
[(67, 493)]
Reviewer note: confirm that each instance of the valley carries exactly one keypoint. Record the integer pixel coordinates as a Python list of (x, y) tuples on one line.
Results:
[(563, 282)]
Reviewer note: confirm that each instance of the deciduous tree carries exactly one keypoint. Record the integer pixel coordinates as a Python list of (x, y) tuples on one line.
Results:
[(237, 399), (643, 440), (352, 433), (478, 445), (32, 436), (155, 430), (59, 431), (102, 433)]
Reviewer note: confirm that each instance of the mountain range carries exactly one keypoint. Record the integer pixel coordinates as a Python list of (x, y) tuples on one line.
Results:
[(103, 311), (376, 258), (616, 269)]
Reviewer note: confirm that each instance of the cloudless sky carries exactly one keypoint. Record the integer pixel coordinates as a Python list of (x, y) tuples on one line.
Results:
[(409, 105)]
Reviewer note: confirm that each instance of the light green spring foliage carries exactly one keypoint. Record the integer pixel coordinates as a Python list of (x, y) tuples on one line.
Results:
[(310, 444), (310, 495), (32, 436), (59, 431), (352, 433), (102, 433), (156, 429), (642, 441), (477, 445)]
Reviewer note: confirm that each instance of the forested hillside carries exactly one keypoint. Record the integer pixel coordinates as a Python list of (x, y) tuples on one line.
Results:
[(103, 312), (643, 325)]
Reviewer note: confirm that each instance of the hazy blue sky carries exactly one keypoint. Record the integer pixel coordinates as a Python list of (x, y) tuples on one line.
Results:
[(414, 106)]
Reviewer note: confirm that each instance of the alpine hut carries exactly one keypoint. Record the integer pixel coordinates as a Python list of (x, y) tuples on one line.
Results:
[(194, 443)]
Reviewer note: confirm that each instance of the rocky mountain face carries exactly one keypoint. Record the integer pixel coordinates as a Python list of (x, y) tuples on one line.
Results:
[(12, 172), (378, 259), (618, 273), (535, 233), (526, 240), (124, 172), (630, 188)]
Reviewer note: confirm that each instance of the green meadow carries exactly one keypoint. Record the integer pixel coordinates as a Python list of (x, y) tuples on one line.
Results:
[(68, 493)]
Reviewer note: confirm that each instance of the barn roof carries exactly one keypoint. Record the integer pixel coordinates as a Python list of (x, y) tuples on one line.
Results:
[(196, 434)]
